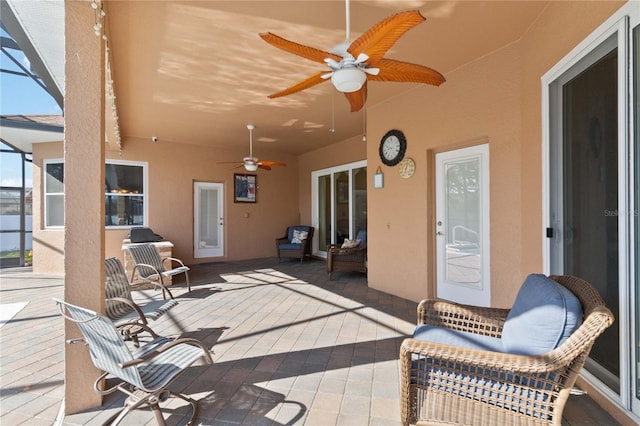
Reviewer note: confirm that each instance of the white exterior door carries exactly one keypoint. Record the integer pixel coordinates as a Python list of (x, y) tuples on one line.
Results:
[(462, 225), (208, 230)]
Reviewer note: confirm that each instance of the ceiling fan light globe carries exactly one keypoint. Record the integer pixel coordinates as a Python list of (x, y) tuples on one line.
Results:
[(250, 164), (348, 80)]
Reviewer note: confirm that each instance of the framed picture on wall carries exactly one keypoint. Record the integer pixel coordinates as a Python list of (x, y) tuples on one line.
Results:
[(245, 188)]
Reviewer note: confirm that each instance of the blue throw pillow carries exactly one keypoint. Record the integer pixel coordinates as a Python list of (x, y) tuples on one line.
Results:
[(543, 316)]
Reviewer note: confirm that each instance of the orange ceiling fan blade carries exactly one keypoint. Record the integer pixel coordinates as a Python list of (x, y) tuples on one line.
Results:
[(379, 38), (357, 99), (304, 84), (263, 167), (405, 72), (230, 162), (307, 52), (271, 163)]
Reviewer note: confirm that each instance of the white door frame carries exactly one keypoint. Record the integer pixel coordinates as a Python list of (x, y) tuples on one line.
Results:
[(478, 293), (200, 248)]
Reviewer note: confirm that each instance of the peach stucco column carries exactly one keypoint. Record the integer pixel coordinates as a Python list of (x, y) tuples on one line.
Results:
[(84, 192)]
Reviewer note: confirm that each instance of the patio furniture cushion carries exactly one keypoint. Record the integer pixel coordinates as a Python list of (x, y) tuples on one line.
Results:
[(362, 237), (350, 243), (543, 316), (289, 246), (292, 230), (447, 336), (298, 236)]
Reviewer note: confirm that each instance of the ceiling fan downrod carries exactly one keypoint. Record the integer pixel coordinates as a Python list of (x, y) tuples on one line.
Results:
[(348, 26)]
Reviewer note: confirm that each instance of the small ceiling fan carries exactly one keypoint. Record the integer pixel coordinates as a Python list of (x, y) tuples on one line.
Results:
[(251, 163), (352, 64)]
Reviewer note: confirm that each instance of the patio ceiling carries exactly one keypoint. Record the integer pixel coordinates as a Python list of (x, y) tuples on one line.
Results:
[(197, 72)]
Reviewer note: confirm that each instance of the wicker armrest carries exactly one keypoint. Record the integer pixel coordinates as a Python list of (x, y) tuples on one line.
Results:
[(282, 240), (473, 319)]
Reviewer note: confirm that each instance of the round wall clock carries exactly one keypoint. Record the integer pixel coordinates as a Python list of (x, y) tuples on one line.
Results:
[(407, 167), (392, 147)]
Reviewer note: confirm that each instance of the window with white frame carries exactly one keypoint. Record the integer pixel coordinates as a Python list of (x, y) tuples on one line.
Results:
[(124, 199), (54, 194), (125, 194)]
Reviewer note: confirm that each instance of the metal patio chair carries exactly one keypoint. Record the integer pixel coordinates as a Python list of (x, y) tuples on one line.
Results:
[(151, 268), (129, 317), (144, 374)]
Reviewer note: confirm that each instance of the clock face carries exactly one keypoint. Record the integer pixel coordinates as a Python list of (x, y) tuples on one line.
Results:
[(407, 168), (392, 147)]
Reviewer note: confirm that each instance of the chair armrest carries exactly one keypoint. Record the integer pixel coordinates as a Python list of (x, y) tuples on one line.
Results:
[(156, 283), (447, 356), (171, 260), (184, 341), (282, 240), (131, 304), (473, 319)]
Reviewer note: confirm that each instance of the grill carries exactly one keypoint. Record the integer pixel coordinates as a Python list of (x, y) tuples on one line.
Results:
[(142, 234)]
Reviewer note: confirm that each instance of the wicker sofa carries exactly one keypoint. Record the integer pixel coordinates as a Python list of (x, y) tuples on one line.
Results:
[(472, 365)]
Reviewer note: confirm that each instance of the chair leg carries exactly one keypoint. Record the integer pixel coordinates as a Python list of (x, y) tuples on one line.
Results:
[(158, 414), (186, 276)]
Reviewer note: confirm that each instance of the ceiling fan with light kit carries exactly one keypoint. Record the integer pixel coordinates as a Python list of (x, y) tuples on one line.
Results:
[(251, 163), (353, 64)]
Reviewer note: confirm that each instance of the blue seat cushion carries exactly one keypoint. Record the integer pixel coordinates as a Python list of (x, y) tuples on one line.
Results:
[(431, 333), (362, 236), (543, 316), (289, 246)]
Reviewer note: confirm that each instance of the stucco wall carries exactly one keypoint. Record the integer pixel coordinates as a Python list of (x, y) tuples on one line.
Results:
[(479, 102), (172, 170), (496, 99)]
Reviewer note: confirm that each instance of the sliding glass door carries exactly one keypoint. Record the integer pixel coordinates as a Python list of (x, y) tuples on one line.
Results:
[(339, 204), (592, 186)]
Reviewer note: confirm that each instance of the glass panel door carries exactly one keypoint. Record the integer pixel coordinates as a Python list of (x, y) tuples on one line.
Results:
[(359, 197), (208, 226), (590, 188), (585, 189), (462, 225), (324, 211), (342, 218)]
